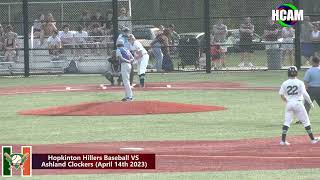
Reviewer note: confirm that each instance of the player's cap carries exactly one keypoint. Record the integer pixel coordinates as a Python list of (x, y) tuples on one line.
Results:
[(125, 29), (292, 71), (120, 42)]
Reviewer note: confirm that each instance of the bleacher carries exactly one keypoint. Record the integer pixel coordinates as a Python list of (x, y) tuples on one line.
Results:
[(42, 62)]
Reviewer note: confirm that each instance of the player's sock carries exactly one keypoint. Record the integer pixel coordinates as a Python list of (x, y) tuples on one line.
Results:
[(284, 133), (309, 131), (141, 77)]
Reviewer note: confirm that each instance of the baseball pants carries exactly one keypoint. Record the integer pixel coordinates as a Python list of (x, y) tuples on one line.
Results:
[(296, 108), (125, 73), (143, 63)]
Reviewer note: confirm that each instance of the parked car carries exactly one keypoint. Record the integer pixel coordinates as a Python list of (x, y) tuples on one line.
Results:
[(145, 34)]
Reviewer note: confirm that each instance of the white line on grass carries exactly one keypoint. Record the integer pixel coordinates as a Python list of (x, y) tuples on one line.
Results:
[(44, 91), (132, 149), (72, 89), (28, 92)]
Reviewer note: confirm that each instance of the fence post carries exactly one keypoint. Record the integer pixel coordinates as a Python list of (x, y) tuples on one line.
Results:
[(206, 26), (62, 13), (26, 37), (297, 39), (9, 13), (115, 22)]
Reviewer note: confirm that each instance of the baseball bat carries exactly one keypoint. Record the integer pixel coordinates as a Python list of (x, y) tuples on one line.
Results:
[(7, 155), (25, 156)]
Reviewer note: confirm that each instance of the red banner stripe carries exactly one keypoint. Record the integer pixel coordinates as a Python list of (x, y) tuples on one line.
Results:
[(27, 164)]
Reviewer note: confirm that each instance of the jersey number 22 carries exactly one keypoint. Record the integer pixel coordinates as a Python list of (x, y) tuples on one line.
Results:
[(292, 90)]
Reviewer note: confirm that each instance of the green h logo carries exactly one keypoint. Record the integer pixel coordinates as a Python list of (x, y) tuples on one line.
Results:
[(15, 161)]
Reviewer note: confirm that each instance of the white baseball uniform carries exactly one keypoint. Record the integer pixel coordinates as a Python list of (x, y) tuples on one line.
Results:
[(295, 92), (123, 53), (144, 60)]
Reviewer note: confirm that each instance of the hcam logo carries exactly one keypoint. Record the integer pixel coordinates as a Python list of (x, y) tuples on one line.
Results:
[(15, 161), (287, 15)]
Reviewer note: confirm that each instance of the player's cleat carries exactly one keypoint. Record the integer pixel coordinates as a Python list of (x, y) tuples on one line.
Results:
[(315, 141), (284, 143), (126, 99), (129, 99)]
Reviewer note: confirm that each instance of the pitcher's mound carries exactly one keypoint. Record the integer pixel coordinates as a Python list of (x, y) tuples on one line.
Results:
[(121, 108)]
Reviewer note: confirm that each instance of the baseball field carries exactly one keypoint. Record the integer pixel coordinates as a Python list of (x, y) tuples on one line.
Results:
[(237, 139)]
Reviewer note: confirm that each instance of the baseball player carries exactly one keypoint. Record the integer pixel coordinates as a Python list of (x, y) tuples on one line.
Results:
[(141, 56), (113, 69), (126, 59), (124, 36), (293, 92)]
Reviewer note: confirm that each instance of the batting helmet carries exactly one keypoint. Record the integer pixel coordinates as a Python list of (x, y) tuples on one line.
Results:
[(292, 71), (120, 42)]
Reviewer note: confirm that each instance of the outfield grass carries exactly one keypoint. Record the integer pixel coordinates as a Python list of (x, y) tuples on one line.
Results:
[(250, 114), (258, 58)]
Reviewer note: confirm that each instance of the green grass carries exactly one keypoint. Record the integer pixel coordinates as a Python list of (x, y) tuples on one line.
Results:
[(262, 118), (258, 58), (250, 114)]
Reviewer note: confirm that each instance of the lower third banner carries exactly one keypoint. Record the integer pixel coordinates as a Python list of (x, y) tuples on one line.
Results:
[(93, 161)]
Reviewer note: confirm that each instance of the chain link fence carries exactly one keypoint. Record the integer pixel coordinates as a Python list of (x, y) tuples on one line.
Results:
[(240, 50), (63, 36), (197, 40)]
